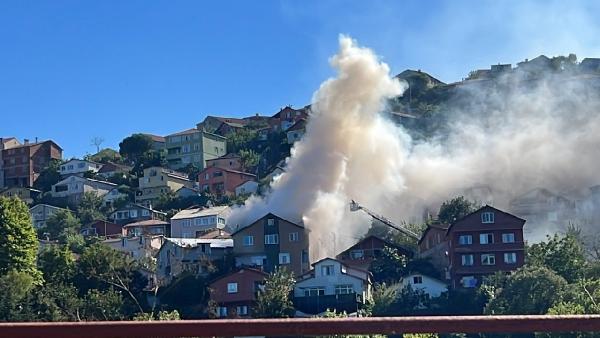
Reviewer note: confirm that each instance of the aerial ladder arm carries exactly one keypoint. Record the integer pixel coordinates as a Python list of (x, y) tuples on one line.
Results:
[(354, 206)]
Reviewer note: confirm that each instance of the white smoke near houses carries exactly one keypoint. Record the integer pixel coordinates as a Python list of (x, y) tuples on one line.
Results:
[(503, 138)]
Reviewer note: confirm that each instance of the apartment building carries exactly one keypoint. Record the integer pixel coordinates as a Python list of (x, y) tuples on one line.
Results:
[(157, 181), (23, 163), (193, 146)]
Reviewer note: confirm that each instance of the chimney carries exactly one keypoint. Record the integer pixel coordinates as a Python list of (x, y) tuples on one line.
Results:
[(26, 141)]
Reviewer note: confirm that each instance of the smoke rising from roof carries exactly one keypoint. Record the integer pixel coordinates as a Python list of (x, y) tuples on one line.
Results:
[(504, 137)]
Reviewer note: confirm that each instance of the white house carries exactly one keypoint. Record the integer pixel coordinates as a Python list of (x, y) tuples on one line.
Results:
[(186, 223), (334, 285), (113, 195), (41, 212), (248, 187), (137, 247), (431, 286), (73, 188), (78, 167)]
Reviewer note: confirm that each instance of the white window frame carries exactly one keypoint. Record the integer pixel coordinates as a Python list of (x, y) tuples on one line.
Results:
[(248, 240), (327, 270), (487, 217), (344, 289), (465, 239), (357, 254), (488, 259), (242, 310), (293, 237), (467, 262), (232, 287), (272, 239), (270, 221), (512, 259), (284, 258), (485, 238), (508, 237)]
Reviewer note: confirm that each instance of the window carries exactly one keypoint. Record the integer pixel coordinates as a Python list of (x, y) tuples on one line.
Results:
[(508, 238), (206, 177), (293, 237), (248, 240), (197, 221), (232, 287), (417, 279), (284, 258), (133, 213), (486, 238), (488, 259), (145, 212), (326, 270), (311, 292), (217, 174), (272, 239), (222, 311), (357, 254), (467, 260), (487, 217), (63, 168), (510, 258), (270, 221), (343, 289), (242, 310), (186, 223), (80, 165), (221, 220), (465, 239)]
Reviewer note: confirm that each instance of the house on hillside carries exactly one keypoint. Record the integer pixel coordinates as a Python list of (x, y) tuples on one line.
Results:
[(246, 188), (332, 285), (433, 245), (222, 182), (542, 207), (188, 223), (433, 287), (153, 227), (73, 188), (78, 167), (482, 243), (361, 254), (287, 116), (271, 242), (158, 142), (230, 161), (40, 213), (25, 194), (590, 65), (101, 228), (142, 247), (235, 293), (113, 195), (110, 169), (135, 213), (194, 255), (193, 146), (158, 181), (6, 143), (186, 192), (229, 126), (22, 164), (296, 131), (536, 66)]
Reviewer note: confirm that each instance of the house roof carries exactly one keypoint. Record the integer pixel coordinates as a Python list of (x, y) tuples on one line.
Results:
[(146, 223), (199, 212), (134, 205), (48, 206), (228, 155), (77, 178), (36, 143), (185, 132), (433, 226), (20, 188), (348, 267), (76, 159), (480, 209), (111, 166), (245, 268), (267, 215), (155, 138), (227, 170), (386, 242), (194, 242), (299, 125)]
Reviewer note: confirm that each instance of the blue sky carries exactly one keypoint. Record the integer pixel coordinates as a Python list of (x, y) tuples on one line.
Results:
[(72, 70)]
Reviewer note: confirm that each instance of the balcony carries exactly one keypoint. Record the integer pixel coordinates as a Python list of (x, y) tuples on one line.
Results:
[(305, 326)]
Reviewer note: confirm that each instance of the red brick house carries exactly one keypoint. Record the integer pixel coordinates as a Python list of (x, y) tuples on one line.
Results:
[(433, 245), (235, 293), (23, 163), (222, 181), (482, 243), (102, 228), (287, 116), (230, 161), (361, 254)]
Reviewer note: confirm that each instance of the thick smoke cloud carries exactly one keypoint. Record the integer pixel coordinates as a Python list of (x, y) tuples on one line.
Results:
[(503, 138)]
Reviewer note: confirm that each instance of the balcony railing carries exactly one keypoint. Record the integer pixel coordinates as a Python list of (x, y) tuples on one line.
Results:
[(304, 326)]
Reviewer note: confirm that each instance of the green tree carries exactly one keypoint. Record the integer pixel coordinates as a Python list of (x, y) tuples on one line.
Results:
[(455, 209), (241, 139), (103, 305), (15, 286), (389, 267), (563, 254), (59, 225), (18, 241), (105, 156), (134, 146), (529, 290), (90, 208), (249, 159), (275, 301), (57, 264), (49, 176)]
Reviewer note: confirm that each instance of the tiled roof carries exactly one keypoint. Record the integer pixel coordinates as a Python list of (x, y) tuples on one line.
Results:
[(199, 212)]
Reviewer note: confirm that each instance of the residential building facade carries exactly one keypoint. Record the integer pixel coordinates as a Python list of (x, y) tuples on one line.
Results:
[(24, 163), (193, 146), (158, 181), (5, 143), (74, 187), (134, 213), (271, 242), (230, 161), (483, 243), (40, 213), (433, 287), (221, 182), (235, 293), (188, 223), (78, 167), (362, 254), (151, 227), (433, 245), (246, 188), (102, 228), (27, 195), (332, 284)]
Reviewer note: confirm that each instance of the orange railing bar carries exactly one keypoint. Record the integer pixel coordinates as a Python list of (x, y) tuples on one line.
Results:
[(303, 326)]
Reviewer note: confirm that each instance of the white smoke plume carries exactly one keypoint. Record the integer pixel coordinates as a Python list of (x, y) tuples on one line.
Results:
[(510, 136)]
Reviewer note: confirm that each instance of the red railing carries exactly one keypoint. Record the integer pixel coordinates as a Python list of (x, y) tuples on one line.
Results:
[(304, 327)]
